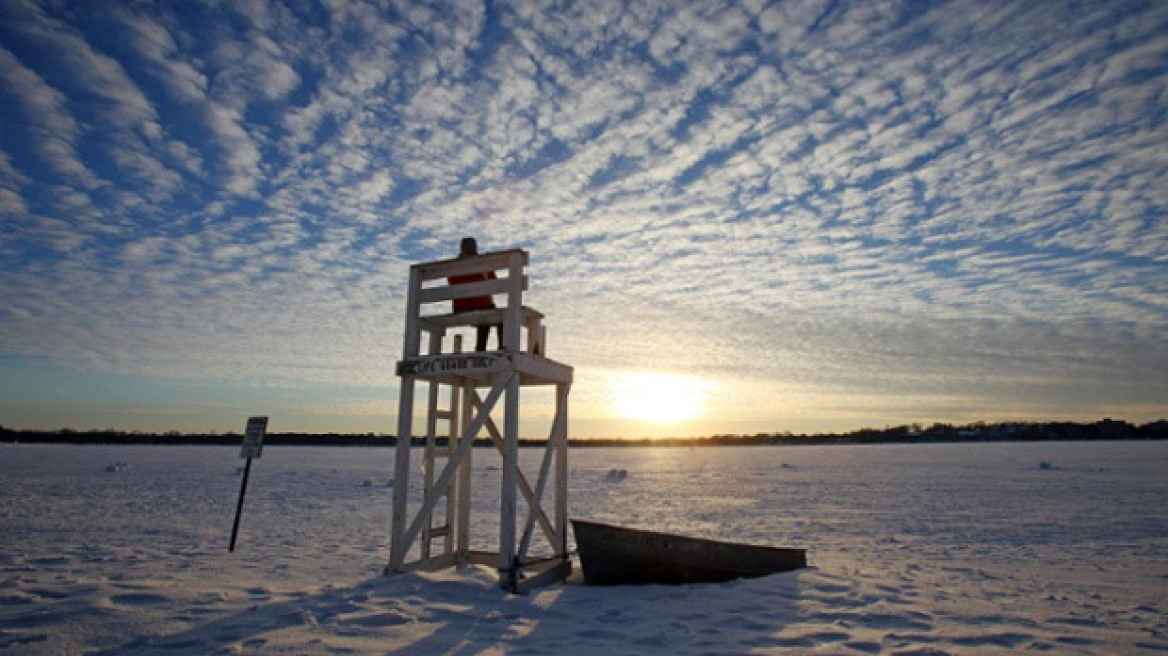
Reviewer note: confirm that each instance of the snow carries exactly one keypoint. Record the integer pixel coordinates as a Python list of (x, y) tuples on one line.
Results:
[(953, 549)]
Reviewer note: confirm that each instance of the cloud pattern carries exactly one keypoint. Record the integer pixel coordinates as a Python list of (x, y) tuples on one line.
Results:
[(875, 211)]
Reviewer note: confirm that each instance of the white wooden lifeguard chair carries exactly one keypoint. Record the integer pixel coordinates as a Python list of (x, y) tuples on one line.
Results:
[(446, 468)]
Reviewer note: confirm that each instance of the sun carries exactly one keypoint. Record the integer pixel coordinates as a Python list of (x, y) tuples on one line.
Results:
[(658, 398)]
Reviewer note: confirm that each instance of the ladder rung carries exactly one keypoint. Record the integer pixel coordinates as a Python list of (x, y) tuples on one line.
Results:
[(443, 414), (439, 531)]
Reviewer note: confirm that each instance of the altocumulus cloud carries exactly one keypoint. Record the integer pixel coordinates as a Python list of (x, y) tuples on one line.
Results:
[(889, 210)]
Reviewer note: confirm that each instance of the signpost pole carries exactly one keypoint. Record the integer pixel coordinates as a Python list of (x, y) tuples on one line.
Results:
[(253, 446), (239, 506)]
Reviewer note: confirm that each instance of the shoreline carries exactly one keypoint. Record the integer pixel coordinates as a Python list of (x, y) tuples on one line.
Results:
[(1102, 431)]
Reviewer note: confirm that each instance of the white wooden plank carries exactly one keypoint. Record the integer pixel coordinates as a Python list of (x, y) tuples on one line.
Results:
[(477, 318), (514, 312), (412, 338), (434, 564), (459, 266), (482, 558), (508, 563), (464, 475), (560, 436), (454, 364), (471, 289), (455, 430), (553, 574), (541, 370), (428, 457), (399, 544)]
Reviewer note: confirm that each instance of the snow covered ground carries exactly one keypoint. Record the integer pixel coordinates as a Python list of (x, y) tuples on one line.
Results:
[(956, 549)]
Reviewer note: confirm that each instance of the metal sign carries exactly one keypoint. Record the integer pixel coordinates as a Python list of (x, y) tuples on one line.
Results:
[(253, 437)]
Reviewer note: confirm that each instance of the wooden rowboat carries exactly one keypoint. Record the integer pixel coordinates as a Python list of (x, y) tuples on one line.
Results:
[(617, 555)]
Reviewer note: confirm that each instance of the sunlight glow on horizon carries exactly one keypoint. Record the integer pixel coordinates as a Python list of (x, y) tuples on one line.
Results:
[(659, 398)]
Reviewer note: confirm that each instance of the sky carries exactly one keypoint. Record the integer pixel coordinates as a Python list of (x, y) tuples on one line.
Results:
[(758, 216)]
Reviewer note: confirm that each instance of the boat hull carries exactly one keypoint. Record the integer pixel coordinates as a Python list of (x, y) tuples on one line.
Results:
[(616, 555)]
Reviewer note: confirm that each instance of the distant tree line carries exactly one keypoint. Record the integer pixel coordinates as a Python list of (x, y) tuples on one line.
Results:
[(111, 436), (1107, 429)]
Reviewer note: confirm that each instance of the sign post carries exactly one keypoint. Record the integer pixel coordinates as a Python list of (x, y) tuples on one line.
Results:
[(253, 446)]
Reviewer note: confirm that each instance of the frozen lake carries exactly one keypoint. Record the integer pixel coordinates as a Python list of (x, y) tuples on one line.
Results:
[(978, 548)]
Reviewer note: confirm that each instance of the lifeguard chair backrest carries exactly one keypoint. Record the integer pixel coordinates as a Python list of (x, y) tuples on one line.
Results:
[(510, 280)]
